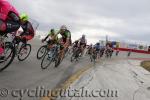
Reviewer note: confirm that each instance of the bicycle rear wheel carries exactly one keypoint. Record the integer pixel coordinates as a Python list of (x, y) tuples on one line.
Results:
[(73, 57), (94, 57), (9, 54), (24, 52), (41, 51)]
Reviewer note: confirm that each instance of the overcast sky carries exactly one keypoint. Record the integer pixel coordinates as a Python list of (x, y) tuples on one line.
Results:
[(122, 20)]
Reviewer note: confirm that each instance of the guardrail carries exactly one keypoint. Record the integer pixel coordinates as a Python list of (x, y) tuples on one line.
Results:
[(132, 50)]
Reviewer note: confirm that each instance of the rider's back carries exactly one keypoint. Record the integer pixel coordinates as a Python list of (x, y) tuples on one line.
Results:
[(5, 9)]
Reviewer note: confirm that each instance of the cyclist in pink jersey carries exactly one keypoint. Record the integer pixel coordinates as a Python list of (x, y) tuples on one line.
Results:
[(9, 20)]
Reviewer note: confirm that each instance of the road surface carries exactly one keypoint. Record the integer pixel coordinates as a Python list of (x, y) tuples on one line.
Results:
[(21, 77)]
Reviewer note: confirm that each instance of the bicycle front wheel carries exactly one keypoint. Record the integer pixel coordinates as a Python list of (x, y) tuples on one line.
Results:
[(24, 52), (46, 61), (9, 54), (41, 52)]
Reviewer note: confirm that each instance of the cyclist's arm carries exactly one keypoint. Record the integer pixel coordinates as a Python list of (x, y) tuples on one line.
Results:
[(67, 42), (46, 38)]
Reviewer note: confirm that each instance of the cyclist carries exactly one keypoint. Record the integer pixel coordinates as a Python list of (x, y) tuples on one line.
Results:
[(9, 20), (102, 50), (28, 31), (52, 38), (75, 44), (75, 47), (109, 48), (65, 41), (97, 49), (89, 49), (82, 43)]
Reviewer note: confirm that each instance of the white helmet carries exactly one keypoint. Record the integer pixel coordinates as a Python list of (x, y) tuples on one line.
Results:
[(63, 27)]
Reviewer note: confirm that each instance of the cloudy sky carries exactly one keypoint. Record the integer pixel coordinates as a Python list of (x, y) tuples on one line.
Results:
[(121, 20)]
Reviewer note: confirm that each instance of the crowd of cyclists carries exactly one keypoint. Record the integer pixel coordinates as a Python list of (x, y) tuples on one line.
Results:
[(55, 48)]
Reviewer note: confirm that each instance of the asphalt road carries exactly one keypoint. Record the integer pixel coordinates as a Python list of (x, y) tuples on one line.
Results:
[(21, 77)]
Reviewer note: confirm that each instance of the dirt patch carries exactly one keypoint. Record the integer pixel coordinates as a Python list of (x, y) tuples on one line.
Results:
[(146, 65)]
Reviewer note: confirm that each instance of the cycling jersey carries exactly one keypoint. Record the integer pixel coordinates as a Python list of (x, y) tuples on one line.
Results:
[(9, 17), (53, 39), (27, 34), (5, 9), (83, 41), (76, 44), (27, 29), (66, 35), (97, 47), (51, 35)]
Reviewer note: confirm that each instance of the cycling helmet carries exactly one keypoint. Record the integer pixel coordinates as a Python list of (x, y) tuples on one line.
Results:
[(52, 30), (63, 27), (83, 36), (98, 43), (24, 17)]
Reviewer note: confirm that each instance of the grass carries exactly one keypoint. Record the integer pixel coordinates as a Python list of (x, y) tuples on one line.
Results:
[(146, 65)]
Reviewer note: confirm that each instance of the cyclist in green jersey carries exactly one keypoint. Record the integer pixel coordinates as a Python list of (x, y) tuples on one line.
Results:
[(53, 39), (65, 41)]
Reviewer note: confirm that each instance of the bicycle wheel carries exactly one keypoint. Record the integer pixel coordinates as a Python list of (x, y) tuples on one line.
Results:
[(46, 61), (91, 58), (41, 51), (73, 57), (24, 52), (94, 58), (9, 54), (57, 60)]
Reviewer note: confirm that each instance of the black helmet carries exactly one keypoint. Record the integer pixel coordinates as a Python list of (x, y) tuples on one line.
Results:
[(98, 43), (52, 30)]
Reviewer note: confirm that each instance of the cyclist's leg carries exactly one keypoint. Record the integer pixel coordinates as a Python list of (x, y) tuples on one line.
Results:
[(25, 38), (2, 29), (97, 54), (50, 44), (62, 50), (1, 49), (2, 26), (83, 48), (1, 53)]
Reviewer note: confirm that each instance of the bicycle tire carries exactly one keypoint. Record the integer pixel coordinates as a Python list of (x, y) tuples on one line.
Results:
[(45, 57), (12, 56), (19, 57), (39, 50), (57, 60)]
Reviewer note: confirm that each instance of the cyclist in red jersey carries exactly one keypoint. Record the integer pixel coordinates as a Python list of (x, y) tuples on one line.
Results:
[(28, 31)]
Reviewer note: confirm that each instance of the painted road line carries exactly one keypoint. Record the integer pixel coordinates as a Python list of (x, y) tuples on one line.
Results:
[(56, 91)]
